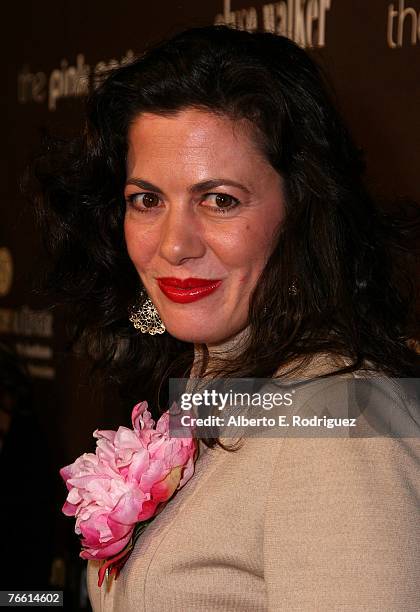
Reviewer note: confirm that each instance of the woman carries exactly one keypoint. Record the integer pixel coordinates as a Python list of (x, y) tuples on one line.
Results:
[(215, 175)]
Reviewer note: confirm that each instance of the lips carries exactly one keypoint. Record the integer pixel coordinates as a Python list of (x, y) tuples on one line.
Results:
[(187, 290)]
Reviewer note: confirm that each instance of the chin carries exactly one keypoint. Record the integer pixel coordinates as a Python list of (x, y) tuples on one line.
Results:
[(200, 334), (190, 335)]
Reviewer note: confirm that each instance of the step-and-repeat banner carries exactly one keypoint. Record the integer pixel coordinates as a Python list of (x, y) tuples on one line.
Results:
[(52, 53)]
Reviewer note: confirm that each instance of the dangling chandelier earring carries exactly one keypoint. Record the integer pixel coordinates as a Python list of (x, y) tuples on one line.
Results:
[(145, 317)]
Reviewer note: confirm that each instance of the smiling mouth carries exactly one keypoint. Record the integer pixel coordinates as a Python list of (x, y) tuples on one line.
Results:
[(187, 293)]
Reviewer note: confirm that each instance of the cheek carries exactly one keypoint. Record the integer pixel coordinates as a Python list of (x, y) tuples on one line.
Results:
[(130, 239), (244, 249), (141, 244)]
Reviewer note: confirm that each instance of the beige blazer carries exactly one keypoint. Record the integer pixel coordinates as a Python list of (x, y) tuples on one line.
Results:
[(284, 524)]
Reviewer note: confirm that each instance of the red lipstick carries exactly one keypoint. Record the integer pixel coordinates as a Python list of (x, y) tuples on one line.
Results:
[(185, 290)]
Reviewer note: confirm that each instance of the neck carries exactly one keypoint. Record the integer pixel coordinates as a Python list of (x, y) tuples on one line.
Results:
[(225, 349)]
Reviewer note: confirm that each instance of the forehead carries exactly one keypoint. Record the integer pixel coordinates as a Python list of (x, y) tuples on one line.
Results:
[(190, 123), (193, 135)]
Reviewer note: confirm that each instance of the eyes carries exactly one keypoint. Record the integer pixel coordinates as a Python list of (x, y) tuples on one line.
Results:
[(146, 202)]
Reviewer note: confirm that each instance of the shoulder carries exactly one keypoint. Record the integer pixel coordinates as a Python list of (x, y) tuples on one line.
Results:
[(382, 405), (345, 487), (341, 524), (309, 366)]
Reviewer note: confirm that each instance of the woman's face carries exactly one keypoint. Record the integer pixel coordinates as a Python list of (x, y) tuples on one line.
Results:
[(202, 203)]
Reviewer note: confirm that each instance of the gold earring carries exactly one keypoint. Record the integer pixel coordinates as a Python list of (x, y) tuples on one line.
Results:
[(146, 318), (293, 290)]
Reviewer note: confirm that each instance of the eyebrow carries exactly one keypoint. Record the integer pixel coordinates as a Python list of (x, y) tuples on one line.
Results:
[(193, 189)]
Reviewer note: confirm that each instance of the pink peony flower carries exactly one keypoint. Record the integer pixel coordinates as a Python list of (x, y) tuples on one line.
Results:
[(132, 474)]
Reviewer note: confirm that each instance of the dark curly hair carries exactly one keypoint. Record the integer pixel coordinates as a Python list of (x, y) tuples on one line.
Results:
[(352, 259)]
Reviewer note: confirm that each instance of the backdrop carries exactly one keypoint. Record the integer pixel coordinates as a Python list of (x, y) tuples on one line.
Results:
[(51, 53)]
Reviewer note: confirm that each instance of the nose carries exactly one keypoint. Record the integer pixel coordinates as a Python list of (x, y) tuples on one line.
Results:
[(181, 236)]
